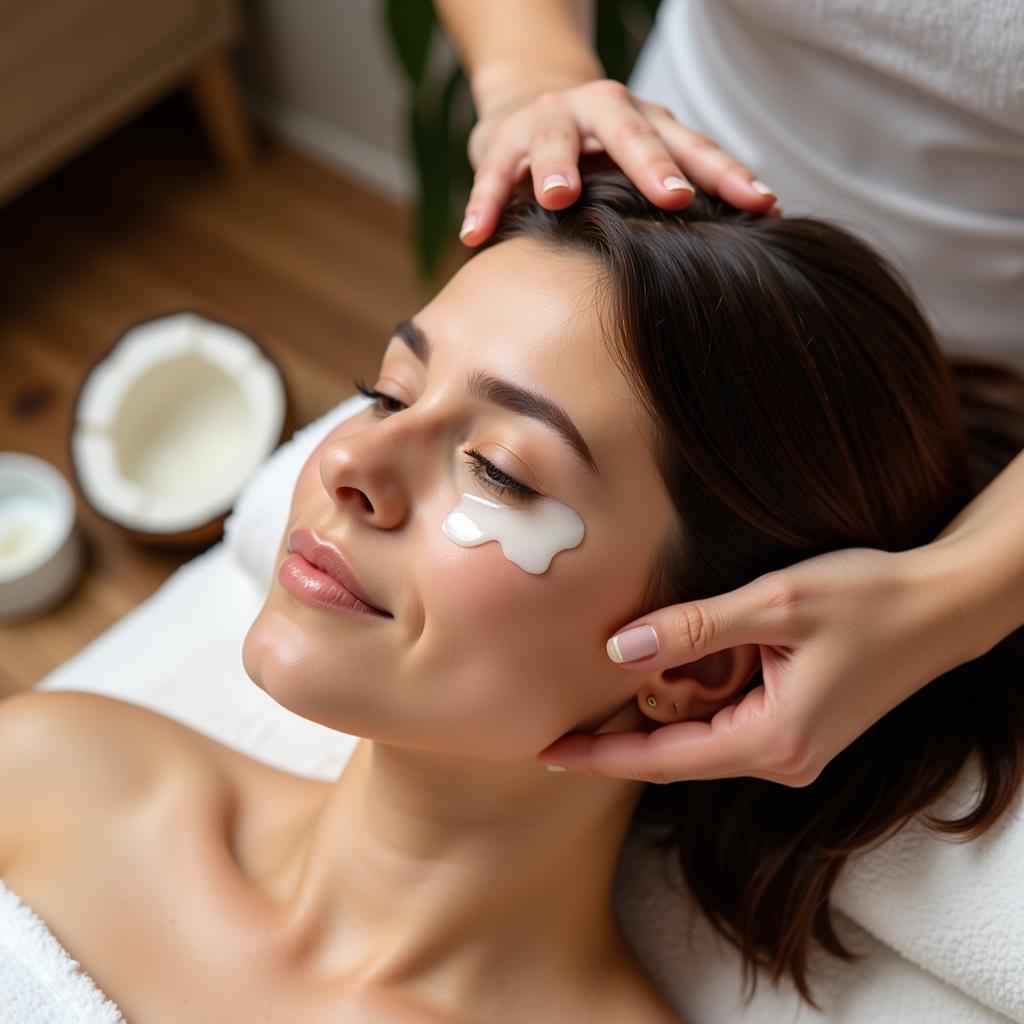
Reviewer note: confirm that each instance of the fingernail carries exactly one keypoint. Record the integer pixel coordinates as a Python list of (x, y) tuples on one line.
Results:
[(468, 225), (554, 768), (676, 184), (638, 642), (761, 188), (554, 181)]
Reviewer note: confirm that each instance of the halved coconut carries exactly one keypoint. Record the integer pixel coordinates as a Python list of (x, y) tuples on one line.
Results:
[(170, 424)]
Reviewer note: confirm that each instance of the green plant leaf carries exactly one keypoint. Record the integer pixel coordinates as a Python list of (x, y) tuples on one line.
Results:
[(429, 146), (410, 27), (611, 38), (456, 130)]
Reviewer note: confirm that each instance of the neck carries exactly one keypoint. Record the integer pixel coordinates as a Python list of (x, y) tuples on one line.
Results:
[(480, 874)]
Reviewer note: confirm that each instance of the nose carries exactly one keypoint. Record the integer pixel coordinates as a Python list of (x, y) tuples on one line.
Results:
[(365, 472)]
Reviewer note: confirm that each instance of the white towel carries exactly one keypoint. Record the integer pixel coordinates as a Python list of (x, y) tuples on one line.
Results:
[(940, 924), (39, 982), (253, 530)]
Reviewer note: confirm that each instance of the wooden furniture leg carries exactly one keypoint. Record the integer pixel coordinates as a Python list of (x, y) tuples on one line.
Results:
[(215, 91)]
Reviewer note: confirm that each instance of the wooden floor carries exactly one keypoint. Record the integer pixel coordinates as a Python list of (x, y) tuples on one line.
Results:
[(316, 267)]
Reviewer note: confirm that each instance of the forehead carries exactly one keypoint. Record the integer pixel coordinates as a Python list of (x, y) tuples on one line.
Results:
[(525, 312), (534, 315)]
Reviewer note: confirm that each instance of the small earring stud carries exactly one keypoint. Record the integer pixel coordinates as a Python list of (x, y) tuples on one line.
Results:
[(652, 701)]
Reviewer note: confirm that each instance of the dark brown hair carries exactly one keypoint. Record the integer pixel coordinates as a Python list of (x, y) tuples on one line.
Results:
[(801, 405)]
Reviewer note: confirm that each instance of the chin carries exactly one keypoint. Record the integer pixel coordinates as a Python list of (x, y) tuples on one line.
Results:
[(288, 665), (277, 657)]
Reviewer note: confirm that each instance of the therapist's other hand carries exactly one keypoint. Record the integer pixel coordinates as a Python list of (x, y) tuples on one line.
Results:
[(844, 637), (545, 126)]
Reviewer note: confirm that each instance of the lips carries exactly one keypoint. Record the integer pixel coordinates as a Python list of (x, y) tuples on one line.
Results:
[(329, 559)]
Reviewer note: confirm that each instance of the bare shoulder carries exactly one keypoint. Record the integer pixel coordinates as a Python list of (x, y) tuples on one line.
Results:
[(66, 753)]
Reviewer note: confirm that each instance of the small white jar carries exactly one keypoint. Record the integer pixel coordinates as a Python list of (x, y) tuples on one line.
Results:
[(41, 554)]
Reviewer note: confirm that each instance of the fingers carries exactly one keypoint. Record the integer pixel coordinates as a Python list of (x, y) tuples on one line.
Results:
[(633, 142), (765, 611), (731, 744), (662, 157), (557, 132), (711, 167), (493, 183), (552, 153), (554, 159)]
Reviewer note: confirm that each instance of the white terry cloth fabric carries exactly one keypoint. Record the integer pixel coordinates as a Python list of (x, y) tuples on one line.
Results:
[(940, 925), (39, 982), (903, 121)]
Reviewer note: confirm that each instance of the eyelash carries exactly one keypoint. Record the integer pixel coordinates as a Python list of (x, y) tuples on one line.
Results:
[(482, 468)]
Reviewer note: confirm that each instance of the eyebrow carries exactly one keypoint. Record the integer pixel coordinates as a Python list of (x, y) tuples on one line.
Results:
[(509, 396)]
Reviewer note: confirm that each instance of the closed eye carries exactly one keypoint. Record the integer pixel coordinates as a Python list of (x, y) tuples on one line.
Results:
[(378, 396), (495, 479)]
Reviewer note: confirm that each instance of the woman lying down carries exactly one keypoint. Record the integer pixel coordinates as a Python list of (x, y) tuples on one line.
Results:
[(606, 410)]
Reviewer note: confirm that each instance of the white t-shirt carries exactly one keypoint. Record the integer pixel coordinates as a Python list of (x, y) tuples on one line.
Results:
[(903, 121)]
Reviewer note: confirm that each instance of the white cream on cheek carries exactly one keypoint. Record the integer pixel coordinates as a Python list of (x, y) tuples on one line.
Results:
[(529, 537)]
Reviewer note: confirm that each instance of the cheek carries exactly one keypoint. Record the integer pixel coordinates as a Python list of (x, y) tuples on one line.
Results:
[(537, 635), (514, 660), (491, 654), (488, 599)]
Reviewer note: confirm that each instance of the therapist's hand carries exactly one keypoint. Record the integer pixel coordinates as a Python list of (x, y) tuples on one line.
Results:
[(545, 124), (844, 637)]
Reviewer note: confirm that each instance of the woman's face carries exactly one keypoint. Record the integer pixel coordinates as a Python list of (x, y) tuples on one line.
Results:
[(480, 657)]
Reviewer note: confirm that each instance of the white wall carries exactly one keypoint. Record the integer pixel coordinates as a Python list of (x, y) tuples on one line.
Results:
[(321, 74)]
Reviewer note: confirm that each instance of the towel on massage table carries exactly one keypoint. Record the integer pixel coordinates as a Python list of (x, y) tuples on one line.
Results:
[(39, 982)]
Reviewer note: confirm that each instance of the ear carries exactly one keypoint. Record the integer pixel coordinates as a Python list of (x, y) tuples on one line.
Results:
[(697, 690)]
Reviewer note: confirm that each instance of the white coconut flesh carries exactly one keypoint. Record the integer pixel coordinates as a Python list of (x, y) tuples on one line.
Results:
[(173, 421)]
